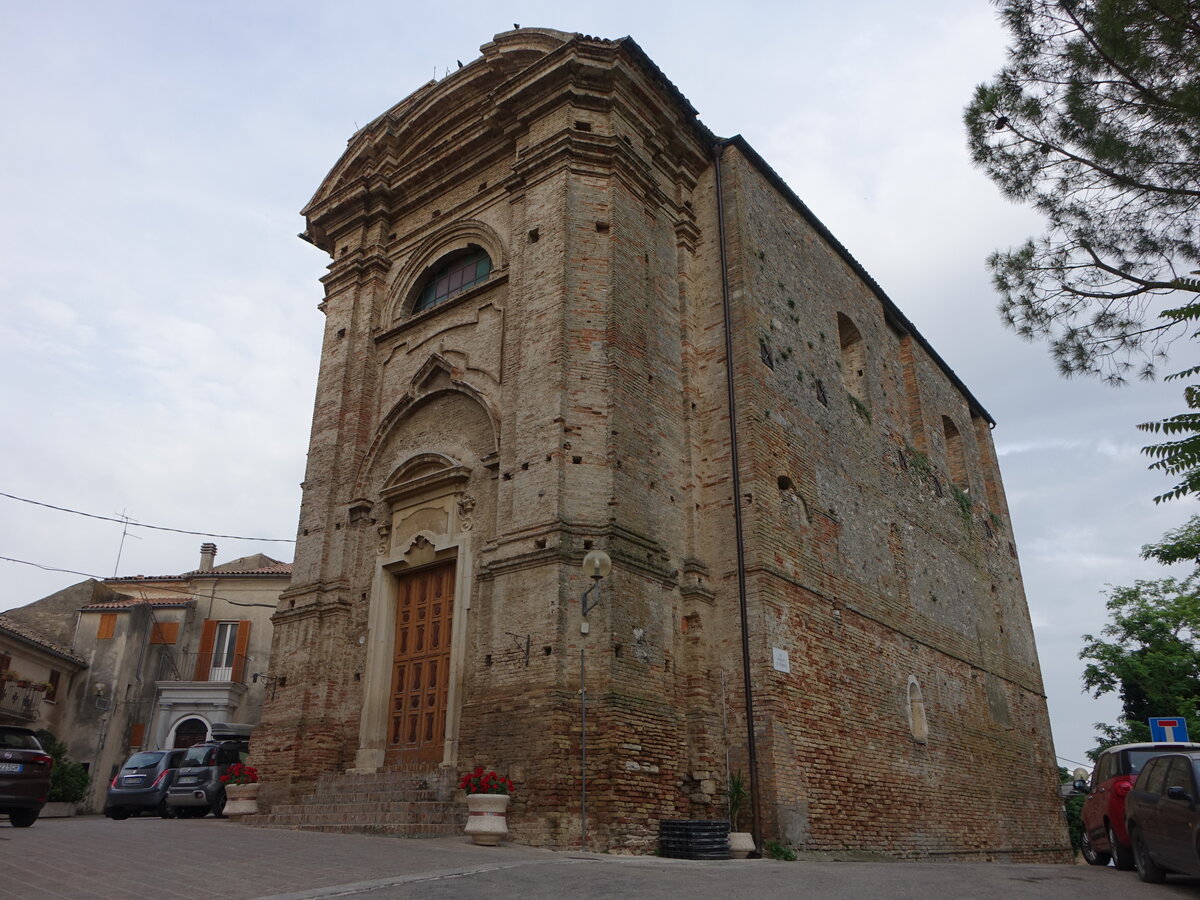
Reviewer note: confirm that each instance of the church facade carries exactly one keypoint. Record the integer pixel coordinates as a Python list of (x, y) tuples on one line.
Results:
[(562, 316)]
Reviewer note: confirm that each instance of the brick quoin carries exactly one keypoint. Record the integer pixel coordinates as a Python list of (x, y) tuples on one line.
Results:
[(576, 399)]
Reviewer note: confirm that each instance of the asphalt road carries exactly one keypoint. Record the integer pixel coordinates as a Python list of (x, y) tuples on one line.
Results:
[(92, 857)]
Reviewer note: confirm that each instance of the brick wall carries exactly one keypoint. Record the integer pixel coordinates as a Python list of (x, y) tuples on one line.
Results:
[(584, 390)]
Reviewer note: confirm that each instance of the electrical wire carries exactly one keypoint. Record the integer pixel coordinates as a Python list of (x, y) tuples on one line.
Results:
[(157, 587), (131, 522), (1074, 762)]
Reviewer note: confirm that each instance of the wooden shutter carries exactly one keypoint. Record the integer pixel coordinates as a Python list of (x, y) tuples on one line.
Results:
[(136, 734), (52, 691), (107, 627), (208, 637), (164, 633), (239, 652)]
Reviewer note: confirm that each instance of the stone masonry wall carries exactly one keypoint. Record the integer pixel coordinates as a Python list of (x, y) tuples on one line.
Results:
[(583, 388), (874, 571)]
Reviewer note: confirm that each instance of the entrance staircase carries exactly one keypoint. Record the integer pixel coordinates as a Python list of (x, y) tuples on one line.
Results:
[(404, 802)]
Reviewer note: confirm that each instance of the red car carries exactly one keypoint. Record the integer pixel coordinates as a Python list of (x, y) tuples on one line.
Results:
[(1117, 768)]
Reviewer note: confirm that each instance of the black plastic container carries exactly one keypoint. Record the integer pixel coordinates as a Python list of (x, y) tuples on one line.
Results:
[(694, 838)]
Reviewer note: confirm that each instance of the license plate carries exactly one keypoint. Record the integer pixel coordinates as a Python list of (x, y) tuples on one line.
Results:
[(188, 779), (11, 767), (133, 779)]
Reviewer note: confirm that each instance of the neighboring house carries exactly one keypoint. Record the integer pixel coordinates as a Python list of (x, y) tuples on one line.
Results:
[(36, 679), (562, 315), (166, 657)]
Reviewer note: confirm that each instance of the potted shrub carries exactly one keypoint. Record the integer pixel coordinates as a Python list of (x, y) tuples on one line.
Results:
[(741, 843), (487, 803), (241, 790), (68, 779)]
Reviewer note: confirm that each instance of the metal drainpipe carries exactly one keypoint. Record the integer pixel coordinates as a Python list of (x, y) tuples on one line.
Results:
[(751, 747)]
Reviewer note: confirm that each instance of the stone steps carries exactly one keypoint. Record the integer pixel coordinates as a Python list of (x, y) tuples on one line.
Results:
[(402, 803)]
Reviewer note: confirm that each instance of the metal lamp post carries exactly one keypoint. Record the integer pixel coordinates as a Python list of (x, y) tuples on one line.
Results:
[(596, 565)]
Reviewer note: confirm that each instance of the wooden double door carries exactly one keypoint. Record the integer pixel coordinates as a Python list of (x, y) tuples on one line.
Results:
[(421, 665)]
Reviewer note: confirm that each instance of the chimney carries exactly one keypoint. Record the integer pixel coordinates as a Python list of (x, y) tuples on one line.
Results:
[(208, 552)]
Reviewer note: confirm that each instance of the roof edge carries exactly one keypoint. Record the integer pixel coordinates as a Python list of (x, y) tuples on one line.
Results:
[(45, 645), (891, 311)]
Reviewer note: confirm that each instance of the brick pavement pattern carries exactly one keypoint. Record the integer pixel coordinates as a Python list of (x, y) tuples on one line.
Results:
[(91, 858)]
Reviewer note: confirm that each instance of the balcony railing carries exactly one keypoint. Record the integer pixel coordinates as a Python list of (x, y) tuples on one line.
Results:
[(202, 667), (21, 703)]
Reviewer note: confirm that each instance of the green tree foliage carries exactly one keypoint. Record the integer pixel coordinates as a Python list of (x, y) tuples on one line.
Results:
[(1095, 121), (1180, 457), (1149, 653), (68, 779), (1073, 810), (1179, 545)]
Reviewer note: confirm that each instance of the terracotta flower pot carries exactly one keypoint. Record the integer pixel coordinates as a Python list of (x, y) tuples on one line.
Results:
[(486, 823), (241, 799)]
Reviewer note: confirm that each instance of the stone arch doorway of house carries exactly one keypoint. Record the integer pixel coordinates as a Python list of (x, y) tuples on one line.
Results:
[(421, 665), (189, 731)]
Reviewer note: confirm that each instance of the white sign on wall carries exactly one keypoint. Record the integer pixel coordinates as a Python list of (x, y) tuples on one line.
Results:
[(782, 662)]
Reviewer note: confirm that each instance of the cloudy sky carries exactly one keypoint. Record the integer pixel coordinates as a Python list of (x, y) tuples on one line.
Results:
[(159, 334)]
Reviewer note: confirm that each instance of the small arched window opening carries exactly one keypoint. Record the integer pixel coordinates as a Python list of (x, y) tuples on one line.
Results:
[(918, 725), (854, 357), (190, 731), (955, 458), (452, 275)]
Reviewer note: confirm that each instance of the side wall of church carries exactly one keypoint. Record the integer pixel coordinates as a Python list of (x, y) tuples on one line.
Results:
[(885, 573)]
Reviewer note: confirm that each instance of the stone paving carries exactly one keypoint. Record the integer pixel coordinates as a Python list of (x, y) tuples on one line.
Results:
[(91, 857)]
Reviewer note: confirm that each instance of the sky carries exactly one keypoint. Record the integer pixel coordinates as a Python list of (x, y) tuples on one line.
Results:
[(160, 333)]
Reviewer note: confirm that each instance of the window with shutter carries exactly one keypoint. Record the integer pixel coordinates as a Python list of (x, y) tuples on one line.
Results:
[(107, 627)]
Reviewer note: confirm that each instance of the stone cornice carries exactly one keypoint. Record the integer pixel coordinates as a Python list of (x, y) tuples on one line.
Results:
[(461, 125)]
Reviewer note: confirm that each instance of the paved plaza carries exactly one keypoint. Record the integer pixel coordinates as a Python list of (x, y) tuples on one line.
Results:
[(91, 857)]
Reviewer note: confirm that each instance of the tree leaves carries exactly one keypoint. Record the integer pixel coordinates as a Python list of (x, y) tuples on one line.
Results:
[(1149, 653), (1180, 458), (1095, 121)]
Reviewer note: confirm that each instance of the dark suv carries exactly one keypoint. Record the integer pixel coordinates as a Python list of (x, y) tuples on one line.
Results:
[(1160, 814), (1117, 768), (24, 775), (141, 785), (198, 789)]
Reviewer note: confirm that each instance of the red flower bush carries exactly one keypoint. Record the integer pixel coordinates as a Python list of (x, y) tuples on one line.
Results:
[(484, 782), (240, 774)]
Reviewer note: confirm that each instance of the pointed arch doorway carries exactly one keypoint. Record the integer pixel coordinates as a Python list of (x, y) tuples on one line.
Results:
[(421, 665)]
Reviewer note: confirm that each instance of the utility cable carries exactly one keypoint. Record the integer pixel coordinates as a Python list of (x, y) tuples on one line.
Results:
[(1074, 762), (128, 521)]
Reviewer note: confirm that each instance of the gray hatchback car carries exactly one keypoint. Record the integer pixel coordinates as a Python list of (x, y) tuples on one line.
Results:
[(198, 788), (141, 785)]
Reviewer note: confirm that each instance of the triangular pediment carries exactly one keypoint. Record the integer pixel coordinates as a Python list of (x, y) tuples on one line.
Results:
[(436, 123)]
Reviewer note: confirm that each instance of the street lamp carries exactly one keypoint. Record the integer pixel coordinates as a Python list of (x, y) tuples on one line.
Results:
[(596, 565)]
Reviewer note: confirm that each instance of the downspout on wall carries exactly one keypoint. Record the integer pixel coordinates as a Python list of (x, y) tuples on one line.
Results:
[(739, 541)]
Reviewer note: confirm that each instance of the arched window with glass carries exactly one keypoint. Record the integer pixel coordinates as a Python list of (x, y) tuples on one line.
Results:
[(452, 275)]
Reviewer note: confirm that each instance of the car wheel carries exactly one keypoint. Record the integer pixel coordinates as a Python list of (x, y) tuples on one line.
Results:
[(163, 811), (118, 814), (1122, 855), (23, 818), (1091, 855), (193, 812), (219, 807), (1148, 870)]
